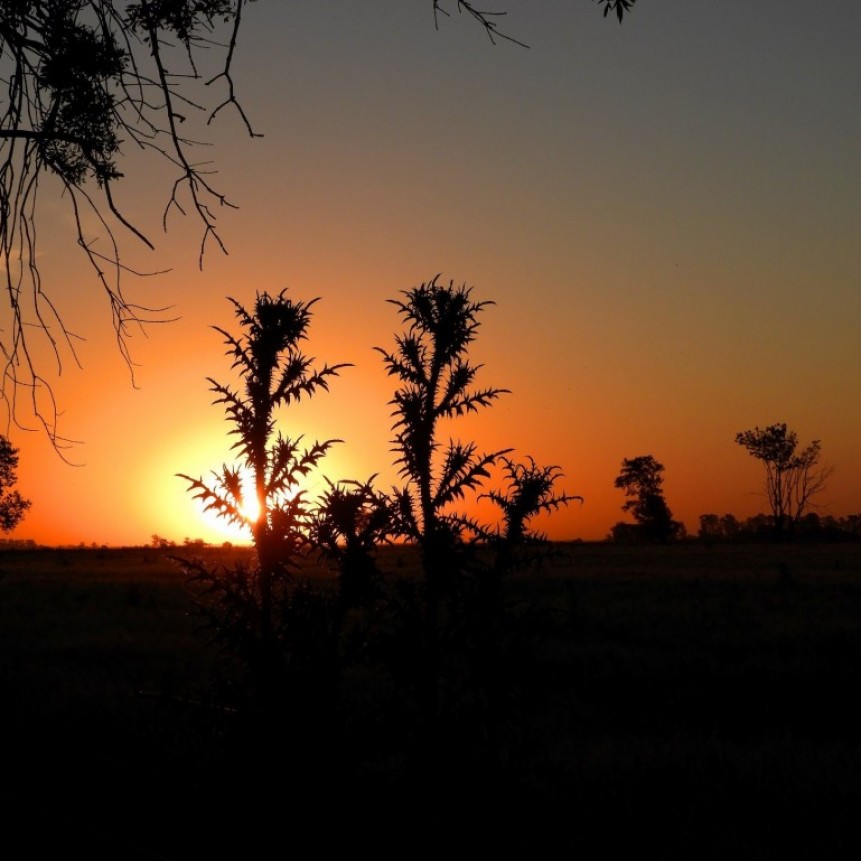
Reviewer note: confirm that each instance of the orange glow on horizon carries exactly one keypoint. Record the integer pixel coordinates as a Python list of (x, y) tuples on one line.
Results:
[(643, 305)]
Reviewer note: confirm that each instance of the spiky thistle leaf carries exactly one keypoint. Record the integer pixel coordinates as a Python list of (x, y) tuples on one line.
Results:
[(462, 470), (530, 491)]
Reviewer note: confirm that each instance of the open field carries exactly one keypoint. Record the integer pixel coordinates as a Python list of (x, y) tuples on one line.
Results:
[(694, 701)]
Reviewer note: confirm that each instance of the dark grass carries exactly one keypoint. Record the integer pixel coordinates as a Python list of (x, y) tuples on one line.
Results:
[(687, 701)]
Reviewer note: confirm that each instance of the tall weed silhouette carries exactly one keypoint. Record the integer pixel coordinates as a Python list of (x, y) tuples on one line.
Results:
[(426, 647), (436, 383), (260, 611), (463, 560)]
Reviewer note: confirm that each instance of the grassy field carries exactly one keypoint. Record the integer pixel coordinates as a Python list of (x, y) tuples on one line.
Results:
[(685, 701)]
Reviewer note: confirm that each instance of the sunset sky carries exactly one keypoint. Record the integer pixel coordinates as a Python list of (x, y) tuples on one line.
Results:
[(667, 214)]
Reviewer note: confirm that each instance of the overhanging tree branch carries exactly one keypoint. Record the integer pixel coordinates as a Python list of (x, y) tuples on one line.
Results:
[(80, 79), (83, 79)]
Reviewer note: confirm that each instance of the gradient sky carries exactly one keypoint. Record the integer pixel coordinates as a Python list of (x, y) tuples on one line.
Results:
[(667, 214)]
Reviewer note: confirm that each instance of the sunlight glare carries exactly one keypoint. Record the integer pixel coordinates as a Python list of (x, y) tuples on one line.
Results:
[(250, 507), (230, 530)]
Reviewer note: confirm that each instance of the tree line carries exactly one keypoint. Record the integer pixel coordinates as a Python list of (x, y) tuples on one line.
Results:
[(794, 476)]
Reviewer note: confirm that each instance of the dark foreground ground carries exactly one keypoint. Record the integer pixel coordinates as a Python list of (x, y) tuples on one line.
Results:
[(691, 701)]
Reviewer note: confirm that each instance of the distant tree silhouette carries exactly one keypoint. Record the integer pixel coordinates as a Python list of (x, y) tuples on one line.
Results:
[(710, 528), (641, 478), (716, 528), (13, 506), (811, 527), (729, 525), (82, 81), (793, 477)]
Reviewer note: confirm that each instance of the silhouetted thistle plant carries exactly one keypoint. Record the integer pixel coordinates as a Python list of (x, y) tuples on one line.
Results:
[(436, 383), (352, 519), (529, 490), (258, 611), (463, 562), (296, 641)]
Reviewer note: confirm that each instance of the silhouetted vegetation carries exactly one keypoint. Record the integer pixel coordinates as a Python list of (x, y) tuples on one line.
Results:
[(793, 476), (18, 544), (13, 506), (458, 607), (259, 611), (437, 383), (641, 478), (438, 636), (761, 527)]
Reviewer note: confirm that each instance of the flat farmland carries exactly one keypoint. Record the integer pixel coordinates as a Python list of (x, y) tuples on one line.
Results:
[(682, 701)]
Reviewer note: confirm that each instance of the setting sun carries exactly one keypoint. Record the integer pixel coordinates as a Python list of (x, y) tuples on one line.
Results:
[(217, 526), (250, 508), (229, 528)]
